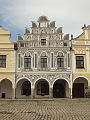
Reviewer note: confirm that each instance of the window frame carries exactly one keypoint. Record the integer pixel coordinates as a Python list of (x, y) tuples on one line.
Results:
[(3, 61), (44, 64), (78, 62), (60, 64), (27, 62), (43, 42), (22, 44)]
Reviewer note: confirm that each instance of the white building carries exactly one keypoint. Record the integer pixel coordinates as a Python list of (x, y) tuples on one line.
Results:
[(43, 62)]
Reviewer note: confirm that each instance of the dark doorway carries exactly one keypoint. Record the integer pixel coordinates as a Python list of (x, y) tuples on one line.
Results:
[(42, 88), (59, 89), (78, 90), (3, 95), (26, 88)]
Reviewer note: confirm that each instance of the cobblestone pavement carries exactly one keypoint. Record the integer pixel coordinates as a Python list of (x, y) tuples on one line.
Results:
[(55, 109)]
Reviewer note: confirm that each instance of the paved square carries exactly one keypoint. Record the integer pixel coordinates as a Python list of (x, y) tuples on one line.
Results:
[(55, 109)]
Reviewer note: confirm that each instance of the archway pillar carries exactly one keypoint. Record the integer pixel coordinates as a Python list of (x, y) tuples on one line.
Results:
[(89, 86), (70, 92), (13, 91), (32, 92), (50, 92)]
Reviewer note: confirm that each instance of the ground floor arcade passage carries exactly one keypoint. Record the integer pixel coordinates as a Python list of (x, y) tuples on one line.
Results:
[(42, 88)]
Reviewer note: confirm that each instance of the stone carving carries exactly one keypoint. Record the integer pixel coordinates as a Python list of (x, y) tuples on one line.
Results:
[(66, 37), (34, 24), (59, 30), (49, 77), (52, 24)]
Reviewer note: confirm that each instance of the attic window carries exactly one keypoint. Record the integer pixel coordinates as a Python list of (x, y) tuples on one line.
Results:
[(21, 44), (65, 44)]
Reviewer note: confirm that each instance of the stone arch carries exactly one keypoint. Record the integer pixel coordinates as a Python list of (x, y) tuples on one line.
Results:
[(6, 88), (80, 77), (23, 78), (62, 79), (42, 88), (80, 87), (60, 54), (23, 88), (61, 88), (41, 78), (27, 54)]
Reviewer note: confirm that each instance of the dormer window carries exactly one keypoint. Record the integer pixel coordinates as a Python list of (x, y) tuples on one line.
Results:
[(43, 42)]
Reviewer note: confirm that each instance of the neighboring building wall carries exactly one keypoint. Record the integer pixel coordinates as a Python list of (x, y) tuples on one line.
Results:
[(7, 72), (81, 47)]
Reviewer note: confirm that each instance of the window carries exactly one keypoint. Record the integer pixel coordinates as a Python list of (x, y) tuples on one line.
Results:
[(2, 61), (52, 60), (60, 62), (43, 62), (21, 44), (65, 44), (43, 42), (19, 60), (27, 62), (35, 60), (79, 61)]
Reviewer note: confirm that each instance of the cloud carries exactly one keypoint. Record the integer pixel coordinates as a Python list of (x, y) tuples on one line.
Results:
[(71, 14)]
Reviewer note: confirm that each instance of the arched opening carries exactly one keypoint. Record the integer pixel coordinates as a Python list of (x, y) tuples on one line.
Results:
[(60, 89), (80, 87), (42, 88), (6, 88), (23, 89), (26, 88)]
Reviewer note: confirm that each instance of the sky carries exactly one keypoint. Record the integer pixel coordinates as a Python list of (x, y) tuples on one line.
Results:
[(15, 15)]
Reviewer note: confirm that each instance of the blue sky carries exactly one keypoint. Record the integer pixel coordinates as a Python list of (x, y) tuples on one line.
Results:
[(15, 15)]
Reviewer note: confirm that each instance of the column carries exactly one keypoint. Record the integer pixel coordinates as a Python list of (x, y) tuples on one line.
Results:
[(32, 93), (71, 85), (13, 93), (51, 92), (89, 89)]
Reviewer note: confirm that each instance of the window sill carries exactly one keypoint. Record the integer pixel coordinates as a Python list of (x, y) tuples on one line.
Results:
[(80, 68)]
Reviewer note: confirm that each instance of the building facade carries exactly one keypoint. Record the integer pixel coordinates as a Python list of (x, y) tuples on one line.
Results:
[(7, 65), (81, 64), (45, 63)]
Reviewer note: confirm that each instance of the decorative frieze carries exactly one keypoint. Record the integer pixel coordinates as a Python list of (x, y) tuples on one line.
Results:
[(50, 77)]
